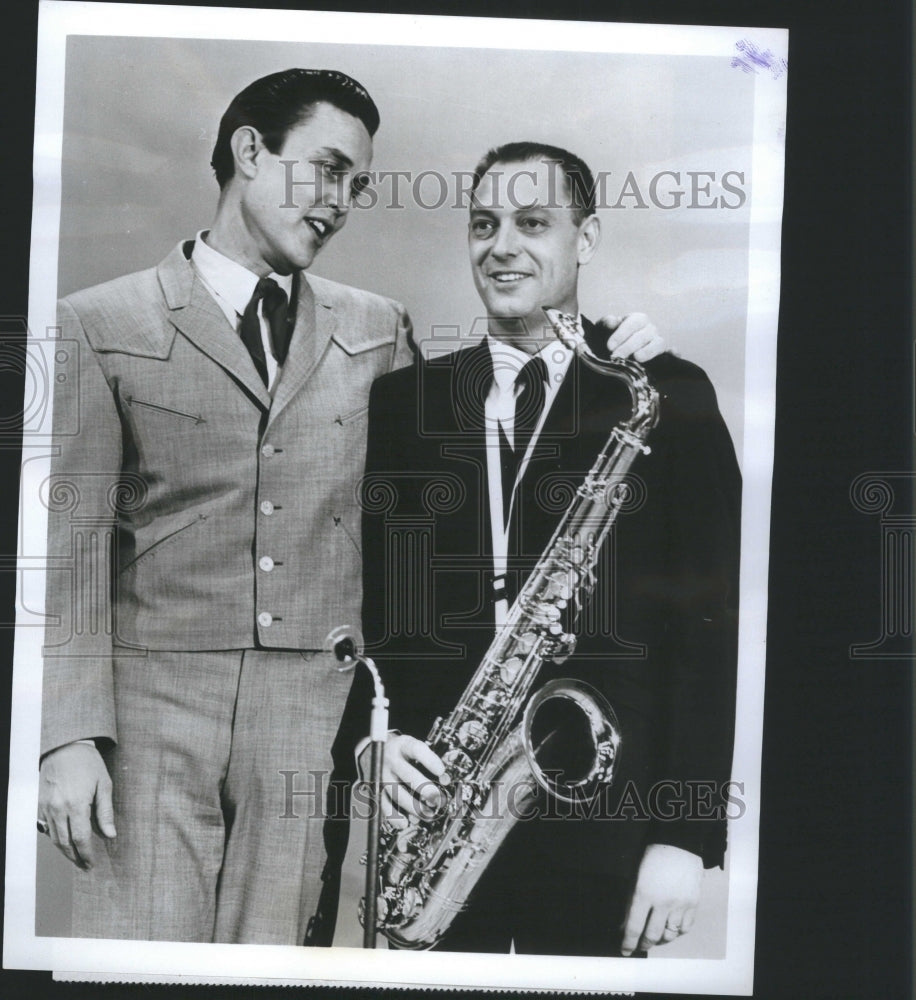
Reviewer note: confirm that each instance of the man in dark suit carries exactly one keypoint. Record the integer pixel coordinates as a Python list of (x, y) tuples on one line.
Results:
[(470, 463)]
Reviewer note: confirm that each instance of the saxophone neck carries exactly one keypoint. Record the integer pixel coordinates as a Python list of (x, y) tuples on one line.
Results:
[(643, 395)]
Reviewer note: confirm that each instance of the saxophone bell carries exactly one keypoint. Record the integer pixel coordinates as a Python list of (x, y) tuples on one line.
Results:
[(571, 737)]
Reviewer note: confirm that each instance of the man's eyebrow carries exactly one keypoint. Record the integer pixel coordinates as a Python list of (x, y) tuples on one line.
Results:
[(336, 155), (477, 207)]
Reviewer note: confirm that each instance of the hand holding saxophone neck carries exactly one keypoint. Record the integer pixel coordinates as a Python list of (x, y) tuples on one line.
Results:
[(643, 397)]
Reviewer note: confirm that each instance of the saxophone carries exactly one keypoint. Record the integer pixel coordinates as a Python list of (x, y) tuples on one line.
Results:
[(427, 871)]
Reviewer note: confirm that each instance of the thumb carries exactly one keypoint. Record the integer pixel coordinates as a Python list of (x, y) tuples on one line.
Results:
[(104, 812)]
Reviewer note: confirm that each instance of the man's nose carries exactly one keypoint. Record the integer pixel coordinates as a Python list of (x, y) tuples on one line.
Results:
[(335, 194), (506, 242)]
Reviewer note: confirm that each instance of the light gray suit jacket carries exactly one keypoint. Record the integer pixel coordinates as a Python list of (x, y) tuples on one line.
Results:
[(188, 511)]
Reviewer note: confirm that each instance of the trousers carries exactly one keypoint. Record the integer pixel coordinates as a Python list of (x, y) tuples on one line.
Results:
[(219, 778)]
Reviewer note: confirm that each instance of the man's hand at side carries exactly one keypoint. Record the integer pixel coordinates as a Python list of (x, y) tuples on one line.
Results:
[(74, 794), (665, 898), (633, 336)]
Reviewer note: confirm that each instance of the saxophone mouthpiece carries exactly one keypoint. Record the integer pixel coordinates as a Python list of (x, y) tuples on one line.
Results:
[(565, 326)]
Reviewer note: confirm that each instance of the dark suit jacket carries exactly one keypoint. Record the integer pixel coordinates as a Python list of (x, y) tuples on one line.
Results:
[(660, 637)]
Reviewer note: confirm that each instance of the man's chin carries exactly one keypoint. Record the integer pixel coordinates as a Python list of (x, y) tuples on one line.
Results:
[(302, 262), (532, 319)]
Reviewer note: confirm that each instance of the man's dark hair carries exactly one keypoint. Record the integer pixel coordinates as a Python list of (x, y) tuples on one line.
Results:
[(281, 101), (579, 179)]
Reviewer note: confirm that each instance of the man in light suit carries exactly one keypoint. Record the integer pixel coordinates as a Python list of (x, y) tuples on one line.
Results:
[(219, 467), (204, 541), (461, 502)]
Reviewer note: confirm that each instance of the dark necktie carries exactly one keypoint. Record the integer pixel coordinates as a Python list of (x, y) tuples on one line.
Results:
[(531, 383), (276, 314)]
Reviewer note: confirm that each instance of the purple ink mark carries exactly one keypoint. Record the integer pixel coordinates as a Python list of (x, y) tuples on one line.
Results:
[(752, 59)]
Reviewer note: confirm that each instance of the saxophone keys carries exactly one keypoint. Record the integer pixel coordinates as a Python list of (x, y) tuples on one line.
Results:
[(560, 585), (457, 763), (525, 642), (472, 735), (510, 669)]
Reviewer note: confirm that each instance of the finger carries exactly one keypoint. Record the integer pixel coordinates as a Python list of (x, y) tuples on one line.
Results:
[(673, 925), (655, 927), (688, 919), (635, 327), (611, 321), (401, 800), (104, 810), (644, 339), (650, 350), (633, 928), (390, 812), (60, 835), (431, 795), (420, 753), (405, 774), (390, 815), (81, 839)]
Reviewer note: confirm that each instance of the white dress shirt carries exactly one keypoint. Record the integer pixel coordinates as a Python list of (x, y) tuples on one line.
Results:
[(232, 286), (499, 411)]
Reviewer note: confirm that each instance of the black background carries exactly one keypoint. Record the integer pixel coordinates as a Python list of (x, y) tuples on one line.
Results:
[(835, 893)]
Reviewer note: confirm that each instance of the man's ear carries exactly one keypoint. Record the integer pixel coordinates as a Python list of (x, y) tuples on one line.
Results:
[(589, 238), (246, 143)]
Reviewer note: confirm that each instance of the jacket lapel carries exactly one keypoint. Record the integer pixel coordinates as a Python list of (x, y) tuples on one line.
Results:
[(193, 311), (471, 376), (316, 321), (455, 396)]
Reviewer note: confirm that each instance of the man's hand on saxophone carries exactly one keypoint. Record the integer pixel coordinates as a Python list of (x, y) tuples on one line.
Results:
[(411, 776), (633, 336)]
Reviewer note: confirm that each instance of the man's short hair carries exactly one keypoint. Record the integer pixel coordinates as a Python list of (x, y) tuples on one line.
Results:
[(279, 102), (579, 180)]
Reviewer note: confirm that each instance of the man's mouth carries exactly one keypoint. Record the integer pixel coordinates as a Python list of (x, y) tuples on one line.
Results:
[(508, 277), (320, 227)]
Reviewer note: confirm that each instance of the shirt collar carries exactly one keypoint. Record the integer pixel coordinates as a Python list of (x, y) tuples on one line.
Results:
[(229, 279), (508, 361)]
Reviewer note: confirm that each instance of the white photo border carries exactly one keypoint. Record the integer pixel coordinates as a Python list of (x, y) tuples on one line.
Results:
[(218, 962)]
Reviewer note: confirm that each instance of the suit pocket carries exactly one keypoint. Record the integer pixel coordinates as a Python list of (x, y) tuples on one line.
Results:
[(351, 415), (160, 543), (134, 403)]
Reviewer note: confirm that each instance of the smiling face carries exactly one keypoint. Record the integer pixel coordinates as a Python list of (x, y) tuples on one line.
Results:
[(285, 212), (526, 247)]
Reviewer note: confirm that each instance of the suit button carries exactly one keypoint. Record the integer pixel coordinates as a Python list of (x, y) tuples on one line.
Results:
[(266, 563), (268, 450), (267, 507), (265, 619)]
